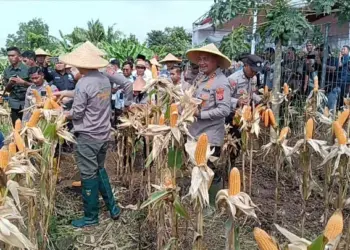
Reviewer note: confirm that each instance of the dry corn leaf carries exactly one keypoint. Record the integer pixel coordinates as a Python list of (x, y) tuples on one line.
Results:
[(297, 243)]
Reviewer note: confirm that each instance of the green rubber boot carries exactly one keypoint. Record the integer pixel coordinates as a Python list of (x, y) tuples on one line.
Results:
[(107, 194), (90, 203)]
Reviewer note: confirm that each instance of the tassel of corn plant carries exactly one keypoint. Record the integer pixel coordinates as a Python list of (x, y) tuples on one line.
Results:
[(309, 129), (234, 185), (37, 96), (335, 226), (339, 133), (4, 158), (343, 117), (19, 141), (12, 149), (34, 119), (265, 242), (201, 149), (18, 125)]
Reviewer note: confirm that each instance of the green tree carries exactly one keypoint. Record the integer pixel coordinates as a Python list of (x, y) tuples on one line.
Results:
[(172, 40), (32, 35), (235, 43)]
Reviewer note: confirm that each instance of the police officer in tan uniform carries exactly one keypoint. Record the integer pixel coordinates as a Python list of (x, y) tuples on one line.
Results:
[(213, 88)]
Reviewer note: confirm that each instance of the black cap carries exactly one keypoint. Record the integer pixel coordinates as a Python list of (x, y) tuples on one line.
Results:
[(254, 62), (115, 62), (142, 57)]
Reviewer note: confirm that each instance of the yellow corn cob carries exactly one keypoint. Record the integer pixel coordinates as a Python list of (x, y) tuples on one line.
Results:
[(34, 119), (263, 116), (247, 113), (54, 98), (48, 91), (76, 184), (343, 117), (19, 141), (309, 129), (334, 226), (54, 104), (266, 89), (201, 149), (47, 104), (316, 83), (37, 96), (285, 89), (18, 125), (283, 134), (4, 158), (154, 72), (12, 149), (173, 108), (339, 133), (272, 119), (264, 240), (326, 112), (234, 182), (266, 118), (161, 120), (173, 119)]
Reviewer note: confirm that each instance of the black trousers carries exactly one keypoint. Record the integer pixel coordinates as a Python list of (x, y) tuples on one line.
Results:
[(16, 114)]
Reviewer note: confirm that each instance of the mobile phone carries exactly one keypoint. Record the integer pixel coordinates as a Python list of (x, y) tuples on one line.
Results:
[(43, 93), (311, 57), (121, 96), (54, 60)]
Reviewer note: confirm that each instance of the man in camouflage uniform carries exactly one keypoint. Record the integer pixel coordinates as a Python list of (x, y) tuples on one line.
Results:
[(213, 88), (16, 82)]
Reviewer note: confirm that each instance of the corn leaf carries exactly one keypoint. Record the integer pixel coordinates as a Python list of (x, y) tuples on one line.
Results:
[(180, 210), (170, 243), (156, 196), (174, 158), (319, 243)]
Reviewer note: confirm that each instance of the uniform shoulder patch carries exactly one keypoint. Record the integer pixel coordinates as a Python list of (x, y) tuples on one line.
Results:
[(220, 94)]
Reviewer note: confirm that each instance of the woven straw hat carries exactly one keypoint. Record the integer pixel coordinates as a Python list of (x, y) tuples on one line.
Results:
[(193, 54), (170, 58), (41, 52), (155, 62), (139, 84), (89, 46), (84, 58)]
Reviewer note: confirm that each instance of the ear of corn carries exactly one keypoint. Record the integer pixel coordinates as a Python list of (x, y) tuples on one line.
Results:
[(37, 96), (154, 71), (309, 129), (285, 89), (4, 158), (162, 120), (247, 113), (34, 119), (272, 118), (201, 149), (326, 112), (47, 104), (76, 184), (173, 108), (334, 226), (234, 182), (343, 117), (18, 125), (316, 83), (339, 133), (283, 134), (266, 89), (263, 116), (19, 141), (266, 118), (264, 240), (12, 149), (54, 104), (48, 91), (173, 119)]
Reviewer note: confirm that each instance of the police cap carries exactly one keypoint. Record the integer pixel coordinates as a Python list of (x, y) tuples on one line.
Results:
[(254, 62)]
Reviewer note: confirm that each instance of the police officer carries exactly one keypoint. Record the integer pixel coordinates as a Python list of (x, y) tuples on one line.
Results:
[(16, 81), (90, 114), (213, 88), (59, 77)]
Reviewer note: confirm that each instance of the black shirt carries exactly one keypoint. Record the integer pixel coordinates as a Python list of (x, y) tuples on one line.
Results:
[(62, 82)]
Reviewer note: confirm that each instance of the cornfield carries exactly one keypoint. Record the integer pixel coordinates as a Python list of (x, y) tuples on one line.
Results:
[(178, 215)]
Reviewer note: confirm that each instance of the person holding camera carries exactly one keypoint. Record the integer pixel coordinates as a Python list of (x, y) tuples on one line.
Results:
[(37, 78), (16, 82)]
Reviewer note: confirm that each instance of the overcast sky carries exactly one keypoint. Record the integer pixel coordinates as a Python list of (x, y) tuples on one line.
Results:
[(133, 16)]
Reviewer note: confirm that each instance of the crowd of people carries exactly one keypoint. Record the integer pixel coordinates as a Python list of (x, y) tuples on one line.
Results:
[(90, 87)]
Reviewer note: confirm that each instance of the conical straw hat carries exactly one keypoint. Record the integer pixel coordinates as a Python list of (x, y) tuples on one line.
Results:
[(155, 62), (193, 55), (170, 58), (89, 46), (84, 58), (139, 84), (41, 52)]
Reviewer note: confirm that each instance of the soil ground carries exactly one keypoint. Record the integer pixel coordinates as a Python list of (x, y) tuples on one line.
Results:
[(137, 230)]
